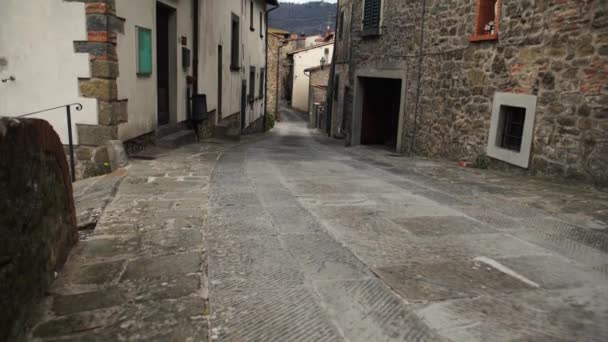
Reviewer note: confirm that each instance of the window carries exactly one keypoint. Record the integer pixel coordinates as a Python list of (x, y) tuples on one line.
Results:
[(341, 26), (235, 45), (251, 16), (486, 21), (144, 51), (251, 85), (336, 86), (262, 80), (261, 25), (371, 17), (511, 126)]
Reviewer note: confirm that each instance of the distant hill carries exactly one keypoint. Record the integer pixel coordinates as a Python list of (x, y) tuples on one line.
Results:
[(310, 18)]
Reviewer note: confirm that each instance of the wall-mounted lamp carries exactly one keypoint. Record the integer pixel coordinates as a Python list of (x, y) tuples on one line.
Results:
[(323, 62)]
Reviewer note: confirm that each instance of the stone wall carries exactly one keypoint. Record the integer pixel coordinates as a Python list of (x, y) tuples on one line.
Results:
[(38, 222), (102, 28), (555, 50), (277, 60)]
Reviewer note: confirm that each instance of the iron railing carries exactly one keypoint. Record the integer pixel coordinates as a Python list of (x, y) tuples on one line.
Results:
[(68, 112)]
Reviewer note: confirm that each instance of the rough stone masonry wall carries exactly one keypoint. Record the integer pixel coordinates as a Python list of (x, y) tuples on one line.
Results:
[(556, 50), (37, 220), (276, 91), (102, 27), (274, 42)]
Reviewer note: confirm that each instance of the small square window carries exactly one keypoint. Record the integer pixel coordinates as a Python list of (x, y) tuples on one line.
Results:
[(487, 20), (511, 127), (144, 51)]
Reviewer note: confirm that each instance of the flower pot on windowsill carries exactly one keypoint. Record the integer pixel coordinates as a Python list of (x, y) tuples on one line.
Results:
[(483, 37)]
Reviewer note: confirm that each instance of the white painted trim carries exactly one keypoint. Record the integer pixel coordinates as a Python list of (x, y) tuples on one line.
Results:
[(522, 158)]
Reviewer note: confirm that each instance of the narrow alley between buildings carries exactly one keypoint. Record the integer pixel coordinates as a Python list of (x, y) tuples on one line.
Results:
[(290, 237)]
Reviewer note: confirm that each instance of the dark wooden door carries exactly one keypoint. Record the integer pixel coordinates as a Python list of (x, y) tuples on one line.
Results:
[(162, 58)]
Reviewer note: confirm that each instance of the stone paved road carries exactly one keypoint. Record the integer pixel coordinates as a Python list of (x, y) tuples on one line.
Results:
[(291, 237), (309, 241)]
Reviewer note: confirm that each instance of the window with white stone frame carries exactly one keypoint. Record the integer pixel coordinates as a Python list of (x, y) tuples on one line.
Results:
[(512, 128)]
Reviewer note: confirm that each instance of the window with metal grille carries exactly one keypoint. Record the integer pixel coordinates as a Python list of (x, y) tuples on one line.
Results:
[(235, 44), (371, 17), (511, 127), (262, 80), (251, 84)]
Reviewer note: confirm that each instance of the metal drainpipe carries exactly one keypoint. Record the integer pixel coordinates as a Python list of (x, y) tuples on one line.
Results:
[(420, 61), (266, 65)]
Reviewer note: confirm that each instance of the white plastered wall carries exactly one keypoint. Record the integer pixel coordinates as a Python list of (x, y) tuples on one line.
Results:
[(216, 30), (301, 61), (37, 43), (141, 91)]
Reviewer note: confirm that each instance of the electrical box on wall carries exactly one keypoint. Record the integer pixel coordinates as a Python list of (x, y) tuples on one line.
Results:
[(185, 57)]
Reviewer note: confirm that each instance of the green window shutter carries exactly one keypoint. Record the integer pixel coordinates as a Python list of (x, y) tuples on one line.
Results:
[(144, 51)]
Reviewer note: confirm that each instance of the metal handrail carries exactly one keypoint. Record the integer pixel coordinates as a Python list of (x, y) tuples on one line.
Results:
[(68, 110)]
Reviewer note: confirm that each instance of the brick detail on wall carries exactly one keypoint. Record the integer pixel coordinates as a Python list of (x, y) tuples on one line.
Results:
[(103, 26)]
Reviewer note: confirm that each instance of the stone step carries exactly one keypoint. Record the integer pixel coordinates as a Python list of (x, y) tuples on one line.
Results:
[(230, 132), (177, 139)]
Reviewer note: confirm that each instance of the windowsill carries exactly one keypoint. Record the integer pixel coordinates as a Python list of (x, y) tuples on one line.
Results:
[(375, 32), (483, 37), (235, 68)]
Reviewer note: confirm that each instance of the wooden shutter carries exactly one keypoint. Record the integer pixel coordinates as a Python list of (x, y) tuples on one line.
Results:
[(251, 84), (371, 17), (262, 80), (144, 51), (235, 45)]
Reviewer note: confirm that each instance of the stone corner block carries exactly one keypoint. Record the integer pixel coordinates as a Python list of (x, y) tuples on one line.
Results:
[(96, 135), (117, 154), (101, 89)]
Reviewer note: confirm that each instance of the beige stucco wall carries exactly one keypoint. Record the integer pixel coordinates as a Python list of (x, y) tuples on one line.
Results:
[(215, 31), (37, 48), (301, 61), (141, 92)]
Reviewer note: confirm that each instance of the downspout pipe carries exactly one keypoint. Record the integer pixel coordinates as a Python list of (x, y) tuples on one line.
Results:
[(264, 120)]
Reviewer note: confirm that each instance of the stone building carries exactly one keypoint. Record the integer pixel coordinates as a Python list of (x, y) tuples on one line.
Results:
[(132, 64), (523, 83), (317, 95), (301, 60), (279, 43)]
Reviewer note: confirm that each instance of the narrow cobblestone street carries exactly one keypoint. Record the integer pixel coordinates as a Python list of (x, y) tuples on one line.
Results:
[(291, 237)]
